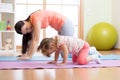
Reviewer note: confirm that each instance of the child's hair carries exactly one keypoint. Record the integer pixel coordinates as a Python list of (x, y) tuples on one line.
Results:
[(45, 46)]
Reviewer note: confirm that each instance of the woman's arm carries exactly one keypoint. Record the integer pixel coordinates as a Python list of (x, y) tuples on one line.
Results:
[(35, 39)]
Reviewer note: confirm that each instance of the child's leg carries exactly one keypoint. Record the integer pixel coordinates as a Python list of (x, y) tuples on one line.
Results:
[(74, 58), (82, 57), (94, 51), (94, 57)]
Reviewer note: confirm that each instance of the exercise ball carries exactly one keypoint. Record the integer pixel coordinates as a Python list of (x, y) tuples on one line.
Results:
[(102, 35)]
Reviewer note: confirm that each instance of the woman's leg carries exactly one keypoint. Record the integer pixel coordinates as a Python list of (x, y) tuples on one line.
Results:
[(67, 28), (82, 57)]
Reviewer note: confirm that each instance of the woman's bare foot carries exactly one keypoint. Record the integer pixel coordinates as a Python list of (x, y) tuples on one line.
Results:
[(22, 55)]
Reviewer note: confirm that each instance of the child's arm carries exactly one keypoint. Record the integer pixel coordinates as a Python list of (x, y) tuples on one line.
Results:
[(55, 58), (65, 54)]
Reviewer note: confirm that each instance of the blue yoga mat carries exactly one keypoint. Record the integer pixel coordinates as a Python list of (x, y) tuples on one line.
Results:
[(35, 58), (110, 57)]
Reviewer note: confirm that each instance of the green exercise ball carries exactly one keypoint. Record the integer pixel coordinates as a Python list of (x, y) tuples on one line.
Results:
[(102, 35)]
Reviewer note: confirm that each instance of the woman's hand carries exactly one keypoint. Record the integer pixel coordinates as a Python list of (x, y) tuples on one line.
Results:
[(24, 57), (52, 62)]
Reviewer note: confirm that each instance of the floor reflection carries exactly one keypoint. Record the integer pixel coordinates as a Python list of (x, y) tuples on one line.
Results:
[(62, 74)]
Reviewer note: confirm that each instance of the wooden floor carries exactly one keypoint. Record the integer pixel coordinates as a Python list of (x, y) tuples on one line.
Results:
[(112, 73)]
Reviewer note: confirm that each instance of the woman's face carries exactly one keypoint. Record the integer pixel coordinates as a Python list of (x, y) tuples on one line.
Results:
[(26, 28)]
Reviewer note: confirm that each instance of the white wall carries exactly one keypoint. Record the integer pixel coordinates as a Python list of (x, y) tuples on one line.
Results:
[(102, 10), (0, 14), (116, 18), (96, 11)]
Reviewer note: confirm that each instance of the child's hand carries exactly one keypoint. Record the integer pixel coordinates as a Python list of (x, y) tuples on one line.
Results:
[(60, 64), (52, 62)]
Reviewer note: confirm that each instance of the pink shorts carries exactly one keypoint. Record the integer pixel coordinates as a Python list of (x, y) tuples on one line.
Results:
[(82, 57)]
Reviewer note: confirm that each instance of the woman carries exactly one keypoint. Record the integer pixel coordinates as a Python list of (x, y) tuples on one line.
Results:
[(41, 19)]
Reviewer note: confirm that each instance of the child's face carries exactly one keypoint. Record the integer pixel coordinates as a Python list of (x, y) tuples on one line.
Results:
[(49, 51)]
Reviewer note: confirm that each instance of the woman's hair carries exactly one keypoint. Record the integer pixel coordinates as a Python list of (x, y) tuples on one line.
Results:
[(45, 46), (25, 40), (26, 37), (18, 26)]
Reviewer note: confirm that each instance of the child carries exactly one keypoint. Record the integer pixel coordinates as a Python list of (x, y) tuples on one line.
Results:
[(41, 19), (77, 47)]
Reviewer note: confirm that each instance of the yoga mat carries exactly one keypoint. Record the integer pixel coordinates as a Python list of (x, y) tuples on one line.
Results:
[(44, 65), (110, 57), (43, 58), (34, 58)]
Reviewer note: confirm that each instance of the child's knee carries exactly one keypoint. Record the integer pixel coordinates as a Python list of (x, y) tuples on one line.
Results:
[(82, 62)]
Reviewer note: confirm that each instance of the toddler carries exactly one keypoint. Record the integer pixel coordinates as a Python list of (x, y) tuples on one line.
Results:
[(78, 47)]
